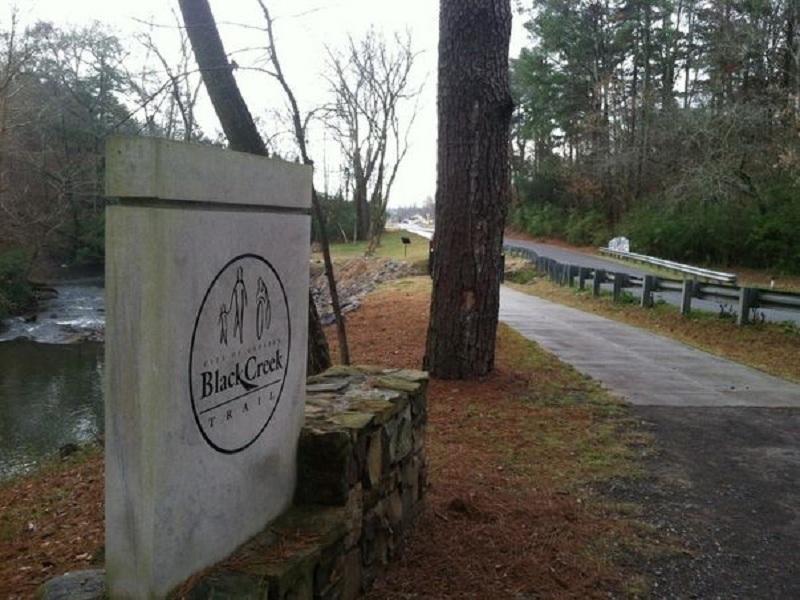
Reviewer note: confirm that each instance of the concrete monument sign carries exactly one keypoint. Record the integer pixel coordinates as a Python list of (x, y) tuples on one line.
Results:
[(207, 299)]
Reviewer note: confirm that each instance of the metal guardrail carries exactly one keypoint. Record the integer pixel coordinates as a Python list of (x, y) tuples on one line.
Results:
[(729, 278), (747, 299)]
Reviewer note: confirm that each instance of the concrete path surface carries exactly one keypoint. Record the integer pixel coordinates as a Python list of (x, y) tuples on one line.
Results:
[(642, 367), (722, 480)]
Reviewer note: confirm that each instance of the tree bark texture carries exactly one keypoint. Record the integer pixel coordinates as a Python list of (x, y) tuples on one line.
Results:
[(231, 109), (473, 186), (240, 129)]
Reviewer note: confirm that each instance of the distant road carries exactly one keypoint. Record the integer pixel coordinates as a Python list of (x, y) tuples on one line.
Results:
[(573, 257)]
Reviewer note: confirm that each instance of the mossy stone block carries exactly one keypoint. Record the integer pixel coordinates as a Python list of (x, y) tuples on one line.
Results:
[(80, 585), (324, 462), (401, 436), (353, 420), (382, 409), (396, 383), (230, 586), (408, 374)]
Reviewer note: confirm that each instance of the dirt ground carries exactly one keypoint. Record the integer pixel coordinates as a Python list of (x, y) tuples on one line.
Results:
[(719, 500), (516, 508)]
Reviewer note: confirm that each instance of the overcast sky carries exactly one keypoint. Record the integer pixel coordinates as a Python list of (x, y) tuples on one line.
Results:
[(303, 28)]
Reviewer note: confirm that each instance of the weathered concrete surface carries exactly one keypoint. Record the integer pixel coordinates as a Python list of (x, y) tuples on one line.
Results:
[(207, 290), (640, 366)]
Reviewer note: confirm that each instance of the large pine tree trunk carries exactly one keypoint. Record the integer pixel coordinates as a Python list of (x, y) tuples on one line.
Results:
[(473, 187)]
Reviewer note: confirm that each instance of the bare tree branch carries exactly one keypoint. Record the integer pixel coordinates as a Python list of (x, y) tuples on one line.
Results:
[(300, 137), (369, 82)]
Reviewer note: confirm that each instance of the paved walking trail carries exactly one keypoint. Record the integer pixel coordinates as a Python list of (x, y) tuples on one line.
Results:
[(722, 480), (644, 368)]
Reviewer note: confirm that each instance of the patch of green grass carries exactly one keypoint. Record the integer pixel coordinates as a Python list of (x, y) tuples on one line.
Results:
[(391, 247), (522, 275), (579, 430)]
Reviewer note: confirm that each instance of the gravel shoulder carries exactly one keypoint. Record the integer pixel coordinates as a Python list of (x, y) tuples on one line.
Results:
[(723, 493)]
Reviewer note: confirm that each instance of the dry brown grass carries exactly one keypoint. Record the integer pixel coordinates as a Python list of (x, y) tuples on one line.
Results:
[(514, 460)]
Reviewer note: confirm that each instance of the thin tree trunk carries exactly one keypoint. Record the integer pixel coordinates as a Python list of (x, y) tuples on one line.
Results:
[(240, 129), (473, 189), (300, 138), (234, 116)]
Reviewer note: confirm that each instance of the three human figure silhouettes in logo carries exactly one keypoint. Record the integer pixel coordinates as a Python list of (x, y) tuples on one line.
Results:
[(237, 305)]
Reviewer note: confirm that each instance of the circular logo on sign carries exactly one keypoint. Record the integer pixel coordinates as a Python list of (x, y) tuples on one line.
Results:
[(239, 354)]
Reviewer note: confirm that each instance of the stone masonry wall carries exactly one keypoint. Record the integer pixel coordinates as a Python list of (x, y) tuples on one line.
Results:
[(361, 480)]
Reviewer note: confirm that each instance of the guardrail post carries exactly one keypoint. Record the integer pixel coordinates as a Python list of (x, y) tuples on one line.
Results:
[(686, 296), (648, 286), (599, 277), (583, 275), (572, 272), (747, 301), (620, 279)]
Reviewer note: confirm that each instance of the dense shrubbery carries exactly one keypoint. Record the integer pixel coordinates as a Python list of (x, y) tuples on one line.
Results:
[(89, 240), (607, 138), (550, 221), (16, 294), (589, 228), (340, 219), (763, 236), (538, 220)]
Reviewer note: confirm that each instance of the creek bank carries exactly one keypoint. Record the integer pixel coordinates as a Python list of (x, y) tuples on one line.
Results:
[(73, 311)]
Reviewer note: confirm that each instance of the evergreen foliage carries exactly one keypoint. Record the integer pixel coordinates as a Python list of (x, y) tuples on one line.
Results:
[(674, 122), (16, 294)]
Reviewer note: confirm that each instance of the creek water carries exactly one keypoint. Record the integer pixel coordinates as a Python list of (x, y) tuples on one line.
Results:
[(51, 391)]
